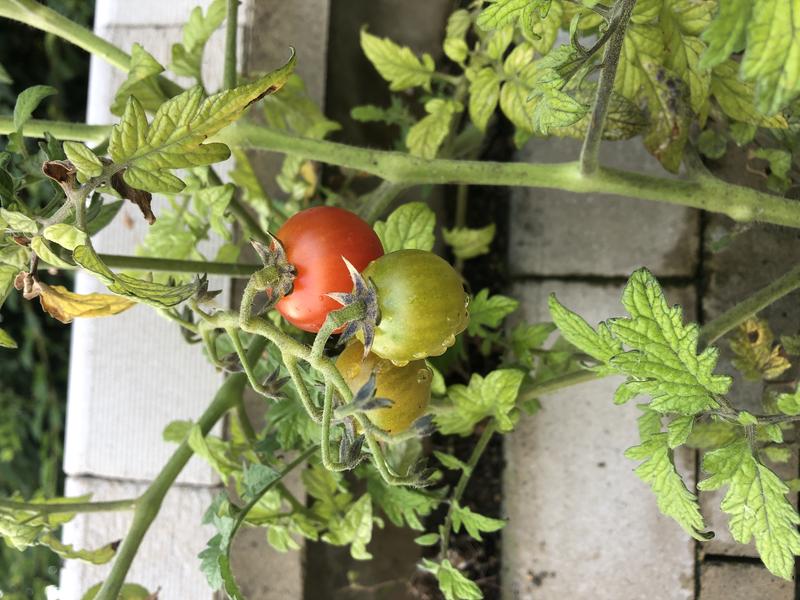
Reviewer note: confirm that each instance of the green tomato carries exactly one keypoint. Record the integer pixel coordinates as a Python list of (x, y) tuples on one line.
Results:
[(408, 387), (422, 305)]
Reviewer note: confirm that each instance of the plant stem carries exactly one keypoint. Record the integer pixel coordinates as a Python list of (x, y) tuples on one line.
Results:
[(739, 203), (732, 318), (556, 383), (477, 452), (462, 192), (594, 134), (61, 130), (169, 265), (69, 507), (375, 203), (46, 19), (231, 29), (149, 504)]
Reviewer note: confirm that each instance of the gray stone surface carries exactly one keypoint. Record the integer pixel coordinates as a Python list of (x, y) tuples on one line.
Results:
[(742, 581), (581, 523), (562, 233)]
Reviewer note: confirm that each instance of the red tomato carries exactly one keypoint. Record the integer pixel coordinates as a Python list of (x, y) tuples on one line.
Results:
[(315, 240)]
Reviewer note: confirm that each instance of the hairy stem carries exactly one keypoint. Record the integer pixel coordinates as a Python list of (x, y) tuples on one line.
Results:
[(477, 452), (231, 28), (556, 383), (69, 507), (594, 134), (149, 504), (740, 203), (169, 265), (732, 318), (61, 130)]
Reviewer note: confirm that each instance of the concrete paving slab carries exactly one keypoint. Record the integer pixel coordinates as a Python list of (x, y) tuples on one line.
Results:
[(561, 233), (581, 523), (742, 581)]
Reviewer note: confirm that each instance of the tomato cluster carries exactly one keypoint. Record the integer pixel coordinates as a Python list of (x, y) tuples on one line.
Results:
[(419, 300)]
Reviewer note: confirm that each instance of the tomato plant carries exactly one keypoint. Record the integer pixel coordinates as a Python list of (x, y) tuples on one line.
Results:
[(315, 241)]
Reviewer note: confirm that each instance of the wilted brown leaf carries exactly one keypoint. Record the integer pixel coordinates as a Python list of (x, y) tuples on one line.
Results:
[(140, 198), (63, 172), (757, 354)]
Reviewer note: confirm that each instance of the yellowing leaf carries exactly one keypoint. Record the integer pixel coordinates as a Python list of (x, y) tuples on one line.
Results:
[(64, 306), (757, 356), (397, 64)]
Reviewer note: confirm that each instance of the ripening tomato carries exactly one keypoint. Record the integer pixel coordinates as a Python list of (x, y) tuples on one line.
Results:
[(408, 387), (421, 302), (315, 240)]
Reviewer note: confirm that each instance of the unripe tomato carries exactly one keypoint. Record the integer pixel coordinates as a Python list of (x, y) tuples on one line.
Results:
[(421, 302), (408, 387), (315, 240)]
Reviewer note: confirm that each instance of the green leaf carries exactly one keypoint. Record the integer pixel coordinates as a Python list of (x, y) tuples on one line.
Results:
[(455, 45), (541, 30), (512, 12), (713, 434), (737, 98), (757, 504), (624, 120), (525, 338), (451, 462), (292, 109), (99, 556), (488, 311), (663, 361), (599, 344), (468, 243), (742, 133), (156, 294), (43, 250), (103, 217), (555, 109), (84, 159), (425, 136), (6, 341), (474, 523), (187, 57), (789, 404), (726, 34), (780, 162), (492, 396), (256, 477), (778, 454), (27, 101), (772, 58), (452, 583), (679, 430), (712, 144), (410, 226), (212, 450), (175, 139), (355, 529), (129, 591), (403, 506), (141, 83), (515, 104), (429, 539), (397, 64), (16, 221), (658, 470), (484, 94)]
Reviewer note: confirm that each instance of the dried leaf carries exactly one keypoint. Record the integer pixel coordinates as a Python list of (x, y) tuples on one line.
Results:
[(64, 306), (757, 354), (140, 198)]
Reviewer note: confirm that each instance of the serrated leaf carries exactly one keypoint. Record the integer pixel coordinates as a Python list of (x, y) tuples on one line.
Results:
[(599, 344), (256, 477), (451, 462), (43, 250), (355, 529), (492, 396), (624, 120), (156, 294), (403, 506), (757, 355), (426, 136), (187, 57), (488, 311), (468, 243), (484, 94), (679, 430), (789, 404), (663, 361), (674, 499), (84, 159), (27, 101), (528, 337), (726, 34), (175, 138), (757, 504), (509, 12), (713, 434), (555, 109), (410, 226), (397, 64), (540, 24), (474, 523), (452, 583), (737, 98), (141, 82), (772, 57), (292, 109)]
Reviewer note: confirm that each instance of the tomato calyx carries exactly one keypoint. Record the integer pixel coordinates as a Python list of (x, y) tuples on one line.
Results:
[(276, 279), (360, 309)]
